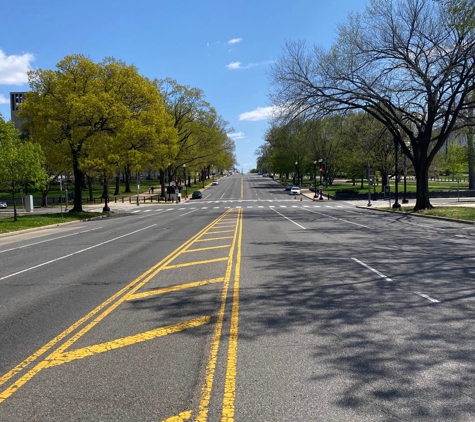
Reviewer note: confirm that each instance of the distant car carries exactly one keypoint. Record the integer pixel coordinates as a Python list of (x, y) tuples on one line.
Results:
[(215, 182), (196, 195), (3, 205), (295, 190), (289, 186)]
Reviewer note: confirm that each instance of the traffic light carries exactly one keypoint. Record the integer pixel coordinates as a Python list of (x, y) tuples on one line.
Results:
[(321, 170)]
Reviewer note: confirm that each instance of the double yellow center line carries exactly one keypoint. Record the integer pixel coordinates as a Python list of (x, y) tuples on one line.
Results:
[(227, 226)]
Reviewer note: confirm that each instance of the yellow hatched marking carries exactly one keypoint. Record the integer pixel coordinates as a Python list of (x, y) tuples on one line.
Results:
[(231, 370), (214, 238), (182, 417), (175, 288), (190, 264), (211, 366), (131, 288), (220, 231), (60, 358), (222, 226), (207, 249)]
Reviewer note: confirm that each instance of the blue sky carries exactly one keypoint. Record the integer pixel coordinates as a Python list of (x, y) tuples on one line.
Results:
[(223, 47)]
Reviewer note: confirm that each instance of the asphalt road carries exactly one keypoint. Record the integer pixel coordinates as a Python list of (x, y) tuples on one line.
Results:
[(246, 305)]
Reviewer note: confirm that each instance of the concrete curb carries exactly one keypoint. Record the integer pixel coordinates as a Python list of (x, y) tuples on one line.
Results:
[(434, 217)]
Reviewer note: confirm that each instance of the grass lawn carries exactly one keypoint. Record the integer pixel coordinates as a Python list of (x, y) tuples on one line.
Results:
[(458, 212), (34, 221)]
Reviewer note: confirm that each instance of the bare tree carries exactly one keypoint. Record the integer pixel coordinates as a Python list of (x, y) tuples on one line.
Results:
[(403, 61)]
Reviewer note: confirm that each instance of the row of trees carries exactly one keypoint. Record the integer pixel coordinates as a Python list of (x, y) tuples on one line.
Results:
[(105, 119), (409, 64), (347, 144)]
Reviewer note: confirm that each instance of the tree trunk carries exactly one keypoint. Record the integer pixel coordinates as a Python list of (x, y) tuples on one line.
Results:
[(78, 183), (162, 183), (422, 186), (117, 185), (127, 180), (89, 186), (471, 160), (384, 181), (15, 215)]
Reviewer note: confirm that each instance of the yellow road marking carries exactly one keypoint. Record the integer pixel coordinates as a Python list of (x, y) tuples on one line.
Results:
[(131, 288), (189, 264), (182, 417), (220, 231), (60, 358), (230, 381), (215, 238), (175, 288), (207, 249), (211, 366)]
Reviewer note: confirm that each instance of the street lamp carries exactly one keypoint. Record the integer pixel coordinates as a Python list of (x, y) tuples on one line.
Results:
[(297, 172), (396, 202), (169, 181), (184, 177), (105, 193), (405, 200), (321, 186), (138, 188), (315, 178), (203, 176)]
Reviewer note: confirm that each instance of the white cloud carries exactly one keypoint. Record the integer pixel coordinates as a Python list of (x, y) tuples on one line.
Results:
[(234, 40), (262, 113), (238, 65), (237, 135), (4, 100), (13, 68), (234, 65)]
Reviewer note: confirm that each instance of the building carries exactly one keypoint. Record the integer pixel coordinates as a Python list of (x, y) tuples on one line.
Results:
[(16, 98)]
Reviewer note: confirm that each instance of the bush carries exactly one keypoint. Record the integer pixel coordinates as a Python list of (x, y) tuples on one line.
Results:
[(347, 190)]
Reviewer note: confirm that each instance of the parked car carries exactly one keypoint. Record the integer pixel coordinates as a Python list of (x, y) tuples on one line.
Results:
[(196, 195), (289, 186), (215, 182), (3, 205), (295, 190)]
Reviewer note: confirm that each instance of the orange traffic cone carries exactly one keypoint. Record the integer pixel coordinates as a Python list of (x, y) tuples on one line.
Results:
[(300, 197), (295, 196)]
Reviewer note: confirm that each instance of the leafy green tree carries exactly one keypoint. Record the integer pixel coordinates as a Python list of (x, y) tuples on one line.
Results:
[(20, 162), (455, 159), (202, 133), (102, 113)]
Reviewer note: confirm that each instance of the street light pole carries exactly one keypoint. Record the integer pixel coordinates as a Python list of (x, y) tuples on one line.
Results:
[(297, 172), (169, 181), (203, 176), (321, 186), (184, 178), (396, 202), (405, 200), (315, 178), (138, 189)]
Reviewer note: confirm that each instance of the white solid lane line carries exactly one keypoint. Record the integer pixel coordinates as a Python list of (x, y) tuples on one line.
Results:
[(74, 253), (302, 227), (371, 268), (50, 240)]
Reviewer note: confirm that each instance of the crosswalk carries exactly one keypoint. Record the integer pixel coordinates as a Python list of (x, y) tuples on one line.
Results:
[(216, 205)]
